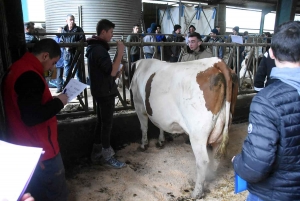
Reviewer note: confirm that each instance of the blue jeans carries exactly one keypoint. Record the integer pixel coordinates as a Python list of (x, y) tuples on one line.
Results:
[(67, 66), (148, 56), (252, 197), (48, 181)]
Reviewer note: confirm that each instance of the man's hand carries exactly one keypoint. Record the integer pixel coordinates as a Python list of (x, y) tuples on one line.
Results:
[(120, 46), (63, 98), (27, 197)]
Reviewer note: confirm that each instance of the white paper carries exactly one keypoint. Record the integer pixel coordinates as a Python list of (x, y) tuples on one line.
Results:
[(237, 39), (17, 166), (73, 89), (120, 67)]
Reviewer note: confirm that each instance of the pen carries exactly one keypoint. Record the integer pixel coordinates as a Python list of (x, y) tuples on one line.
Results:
[(64, 91)]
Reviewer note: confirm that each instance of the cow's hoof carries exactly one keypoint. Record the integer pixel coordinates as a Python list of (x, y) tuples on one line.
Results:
[(160, 145), (142, 149), (197, 195)]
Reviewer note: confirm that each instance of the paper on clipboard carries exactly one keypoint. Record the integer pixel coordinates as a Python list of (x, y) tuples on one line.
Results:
[(73, 89), (237, 39), (17, 167)]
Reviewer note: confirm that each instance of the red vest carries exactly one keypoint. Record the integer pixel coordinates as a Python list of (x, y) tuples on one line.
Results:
[(41, 135)]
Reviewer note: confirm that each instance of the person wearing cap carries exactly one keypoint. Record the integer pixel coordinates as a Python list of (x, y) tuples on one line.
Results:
[(235, 31), (192, 29), (215, 39), (149, 50), (198, 51), (174, 51)]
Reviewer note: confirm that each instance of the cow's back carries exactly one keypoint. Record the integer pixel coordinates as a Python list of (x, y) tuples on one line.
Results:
[(171, 94)]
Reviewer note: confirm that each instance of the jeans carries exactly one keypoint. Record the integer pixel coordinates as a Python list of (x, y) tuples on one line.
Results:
[(105, 111), (48, 182), (252, 197), (134, 57), (148, 56), (67, 66), (59, 78)]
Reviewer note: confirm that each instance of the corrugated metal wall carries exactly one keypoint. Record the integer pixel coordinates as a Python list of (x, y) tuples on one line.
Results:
[(124, 13)]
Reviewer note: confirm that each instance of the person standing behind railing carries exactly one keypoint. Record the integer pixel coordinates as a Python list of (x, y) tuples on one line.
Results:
[(69, 52), (60, 64), (135, 50)]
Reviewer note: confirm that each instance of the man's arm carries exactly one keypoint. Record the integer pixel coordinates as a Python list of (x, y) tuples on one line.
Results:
[(259, 150), (117, 62), (30, 88)]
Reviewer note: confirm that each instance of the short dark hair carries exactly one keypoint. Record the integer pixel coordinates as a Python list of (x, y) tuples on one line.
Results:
[(28, 24), (286, 42), (136, 25), (217, 27), (158, 26), (47, 45), (195, 34), (104, 24)]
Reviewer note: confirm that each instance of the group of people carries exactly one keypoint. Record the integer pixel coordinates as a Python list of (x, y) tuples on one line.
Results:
[(174, 53), (269, 160), (64, 35)]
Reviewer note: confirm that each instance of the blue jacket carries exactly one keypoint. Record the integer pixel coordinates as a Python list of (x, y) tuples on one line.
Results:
[(270, 157), (60, 62)]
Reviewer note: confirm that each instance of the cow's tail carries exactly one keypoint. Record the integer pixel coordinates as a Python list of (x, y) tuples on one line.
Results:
[(231, 96)]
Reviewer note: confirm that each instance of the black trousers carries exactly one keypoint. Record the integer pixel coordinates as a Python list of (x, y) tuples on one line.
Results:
[(105, 110)]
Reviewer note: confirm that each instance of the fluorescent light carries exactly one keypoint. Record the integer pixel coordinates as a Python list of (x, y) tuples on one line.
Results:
[(171, 1)]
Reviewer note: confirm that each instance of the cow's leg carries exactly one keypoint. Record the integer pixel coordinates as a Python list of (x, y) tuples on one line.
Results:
[(143, 118), (202, 160), (213, 163), (161, 138)]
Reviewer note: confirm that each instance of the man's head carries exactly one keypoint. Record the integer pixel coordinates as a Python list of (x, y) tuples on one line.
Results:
[(47, 51), (214, 33), (235, 30), (29, 27), (192, 29), (195, 41), (158, 29), (177, 28), (285, 45), (70, 21), (105, 29), (136, 28)]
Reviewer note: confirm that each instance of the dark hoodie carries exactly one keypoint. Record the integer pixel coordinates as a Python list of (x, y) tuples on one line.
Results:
[(99, 68)]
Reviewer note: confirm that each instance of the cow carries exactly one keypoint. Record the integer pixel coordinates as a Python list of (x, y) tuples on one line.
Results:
[(194, 97)]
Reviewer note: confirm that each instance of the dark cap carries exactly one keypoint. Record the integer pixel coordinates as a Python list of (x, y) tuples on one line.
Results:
[(177, 26), (192, 26), (215, 31), (236, 28)]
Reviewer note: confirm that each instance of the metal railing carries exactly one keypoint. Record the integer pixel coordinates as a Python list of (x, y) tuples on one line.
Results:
[(233, 62)]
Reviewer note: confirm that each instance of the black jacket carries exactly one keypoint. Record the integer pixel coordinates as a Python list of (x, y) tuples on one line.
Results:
[(72, 38), (99, 68), (264, 70), (175, 50), (270, 158)]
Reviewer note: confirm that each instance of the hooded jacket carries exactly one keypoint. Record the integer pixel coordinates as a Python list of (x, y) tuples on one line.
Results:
[(175, 50), (270, 158), (99, 68)]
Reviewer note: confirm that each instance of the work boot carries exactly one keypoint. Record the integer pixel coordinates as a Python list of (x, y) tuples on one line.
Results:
[(109, 160)]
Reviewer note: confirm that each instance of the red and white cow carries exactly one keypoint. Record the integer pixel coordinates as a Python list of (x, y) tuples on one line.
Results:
[(195, 97)]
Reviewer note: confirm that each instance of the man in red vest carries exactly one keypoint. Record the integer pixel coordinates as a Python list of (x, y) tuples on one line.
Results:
[(31, 117)]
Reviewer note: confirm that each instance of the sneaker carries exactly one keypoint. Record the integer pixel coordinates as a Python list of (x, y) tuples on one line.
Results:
[(114, 163)]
